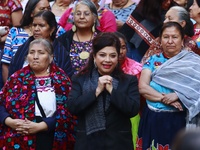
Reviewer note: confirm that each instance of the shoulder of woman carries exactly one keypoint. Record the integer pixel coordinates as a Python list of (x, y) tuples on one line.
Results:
[(14, 4)]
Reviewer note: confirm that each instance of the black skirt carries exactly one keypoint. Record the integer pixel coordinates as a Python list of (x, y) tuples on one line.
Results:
[(44, 140)]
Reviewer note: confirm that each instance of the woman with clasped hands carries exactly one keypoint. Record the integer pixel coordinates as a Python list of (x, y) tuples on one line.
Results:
[(104, 99), (34, 98)]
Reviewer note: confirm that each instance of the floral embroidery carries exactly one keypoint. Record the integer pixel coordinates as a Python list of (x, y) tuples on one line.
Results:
[(19, 100), (139, 144)]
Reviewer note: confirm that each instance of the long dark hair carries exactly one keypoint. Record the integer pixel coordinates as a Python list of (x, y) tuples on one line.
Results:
[(151, 10), (49, 17), (198, 2), (27, 19), (101, 41)]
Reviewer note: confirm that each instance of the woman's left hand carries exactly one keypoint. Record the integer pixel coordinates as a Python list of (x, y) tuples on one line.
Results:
[(169, 98), (108, 84), (177, 105), (30, 127)]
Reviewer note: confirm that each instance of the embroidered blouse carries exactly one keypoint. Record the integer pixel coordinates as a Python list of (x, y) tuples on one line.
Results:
[(6, 10), (152, 64), (46, 96), (18, 96)]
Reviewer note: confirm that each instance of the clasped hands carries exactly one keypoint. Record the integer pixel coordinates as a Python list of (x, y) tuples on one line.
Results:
[(172, 99), (104, 82), (22, 126)]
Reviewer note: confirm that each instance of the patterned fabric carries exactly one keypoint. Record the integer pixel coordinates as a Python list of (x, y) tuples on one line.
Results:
[(46, 96), (157, 130), (196, 36), (152, 64), (15, 38), (181, 73), (60, 31), (156, 48), (105, 16), (6, 10), (76, 49), (61, 57), (131, 67), (18, 96), (123, 13)]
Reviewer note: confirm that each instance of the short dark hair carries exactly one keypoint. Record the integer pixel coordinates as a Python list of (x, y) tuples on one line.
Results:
[(49, 17), (172, 24), (101, 41), (121, 36)]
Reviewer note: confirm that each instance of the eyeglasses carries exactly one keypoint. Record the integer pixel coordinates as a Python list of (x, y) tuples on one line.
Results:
[(85, 13)]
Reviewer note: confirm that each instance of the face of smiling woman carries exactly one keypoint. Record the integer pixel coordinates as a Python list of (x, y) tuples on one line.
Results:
[(106, 60), (38, 58)]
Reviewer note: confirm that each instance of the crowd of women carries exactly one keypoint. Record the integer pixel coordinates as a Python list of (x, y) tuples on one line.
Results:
[(90, 74)]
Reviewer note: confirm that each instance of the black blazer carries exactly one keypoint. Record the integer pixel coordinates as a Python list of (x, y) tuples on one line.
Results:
[(124, 104)]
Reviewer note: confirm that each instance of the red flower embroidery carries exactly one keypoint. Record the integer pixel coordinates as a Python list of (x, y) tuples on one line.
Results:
[(139, 144), (160, 147), (42, 82), (157, 63)]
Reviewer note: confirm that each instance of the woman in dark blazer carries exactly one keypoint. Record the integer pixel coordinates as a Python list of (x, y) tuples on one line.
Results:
[(104, 99)]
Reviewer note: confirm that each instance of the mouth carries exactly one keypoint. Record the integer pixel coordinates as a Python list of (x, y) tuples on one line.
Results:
[(82, 22), (107, 66), (35, 62), (37, 35)]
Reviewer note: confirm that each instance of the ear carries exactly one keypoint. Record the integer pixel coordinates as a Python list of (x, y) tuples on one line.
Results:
[(50, 59), (32, 14), (183, 23), (52, 30)]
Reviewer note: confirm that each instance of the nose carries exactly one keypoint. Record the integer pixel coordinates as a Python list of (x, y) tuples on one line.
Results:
[(36, 28), (170, 40), (82, 15), (121, 50), (35, 56), (166, 20), (46, 8), (107, 58)]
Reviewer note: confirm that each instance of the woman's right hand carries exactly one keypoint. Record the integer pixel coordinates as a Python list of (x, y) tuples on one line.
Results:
[(103, 80), (169, 98), (13, 123)]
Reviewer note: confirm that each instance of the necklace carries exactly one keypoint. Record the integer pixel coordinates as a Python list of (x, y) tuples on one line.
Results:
[(84, 54), (119, 7)]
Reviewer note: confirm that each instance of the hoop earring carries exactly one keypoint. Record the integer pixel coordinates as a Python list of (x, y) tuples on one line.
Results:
[(74, 28), (93, 28), (48, 70)]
